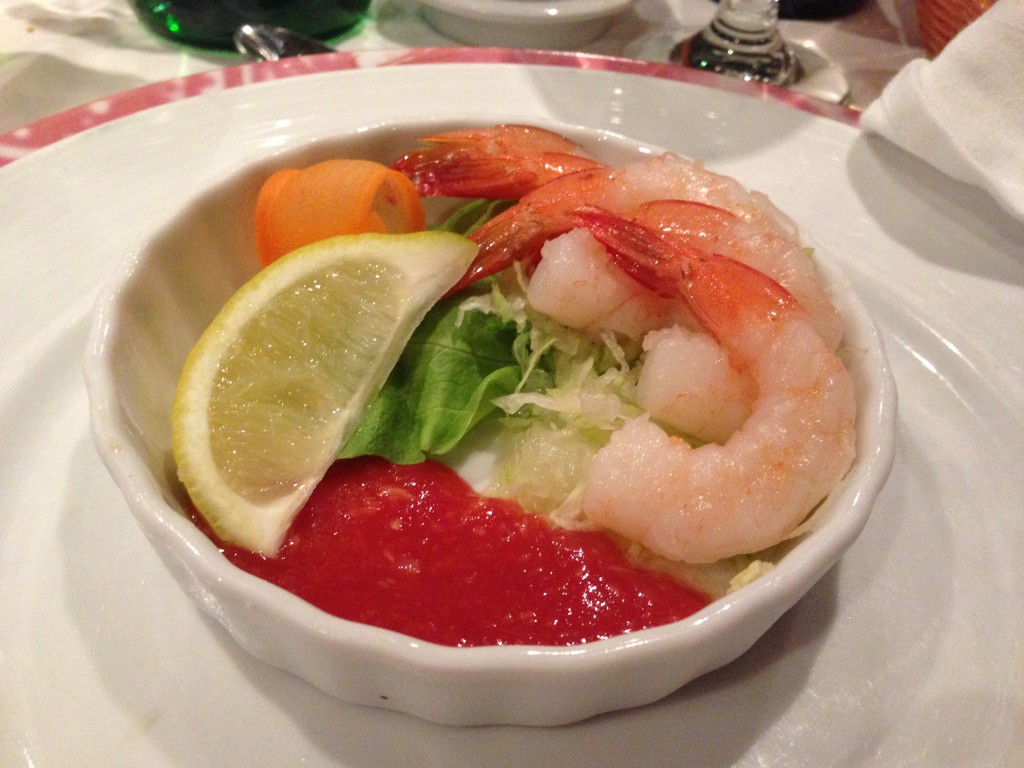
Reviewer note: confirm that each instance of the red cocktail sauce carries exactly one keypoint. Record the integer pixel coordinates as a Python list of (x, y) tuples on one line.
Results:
[(415, 549)]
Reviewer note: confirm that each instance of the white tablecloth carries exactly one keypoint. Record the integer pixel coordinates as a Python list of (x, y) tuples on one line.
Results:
[(57, 54)]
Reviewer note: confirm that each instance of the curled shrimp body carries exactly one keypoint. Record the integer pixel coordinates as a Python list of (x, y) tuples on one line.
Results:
[(702, 504), (688, 383)]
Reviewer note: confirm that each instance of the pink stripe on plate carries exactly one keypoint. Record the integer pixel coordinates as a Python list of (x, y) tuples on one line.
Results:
[(24, 140)]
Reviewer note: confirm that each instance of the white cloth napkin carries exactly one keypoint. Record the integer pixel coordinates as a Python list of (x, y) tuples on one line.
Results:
[(963, 112)]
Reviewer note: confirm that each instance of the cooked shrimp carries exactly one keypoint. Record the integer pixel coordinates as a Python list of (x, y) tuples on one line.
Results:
[(509, 161), (679, 198), (505, 161), (702, 504), (686, 381), (577, 285), (520, 231)]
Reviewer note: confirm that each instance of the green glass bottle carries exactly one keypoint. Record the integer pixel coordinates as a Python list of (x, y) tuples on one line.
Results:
[(212, 23)]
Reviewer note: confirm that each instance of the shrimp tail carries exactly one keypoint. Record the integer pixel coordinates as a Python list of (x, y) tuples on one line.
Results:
[(504, 239), (458, 174), (504, 162), (720, 290), (490, 259), (519, 233), (639, 251)]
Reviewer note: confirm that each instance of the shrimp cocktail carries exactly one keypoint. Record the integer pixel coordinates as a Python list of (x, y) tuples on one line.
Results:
[(643, 355)]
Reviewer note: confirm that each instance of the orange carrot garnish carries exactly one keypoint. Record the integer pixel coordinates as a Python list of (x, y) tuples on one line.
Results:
[(296, 207)]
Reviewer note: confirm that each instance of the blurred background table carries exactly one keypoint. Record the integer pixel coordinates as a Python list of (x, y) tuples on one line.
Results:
[(58, 54)]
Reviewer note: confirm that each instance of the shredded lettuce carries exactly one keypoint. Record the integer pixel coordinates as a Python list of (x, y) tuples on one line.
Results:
[(568, 379), (487, 355), (573, 393)]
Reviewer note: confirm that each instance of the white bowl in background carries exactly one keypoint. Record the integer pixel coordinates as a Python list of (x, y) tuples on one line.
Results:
[(543, 24)]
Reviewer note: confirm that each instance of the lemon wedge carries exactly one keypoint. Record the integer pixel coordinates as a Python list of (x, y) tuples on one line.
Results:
[(278, 381)]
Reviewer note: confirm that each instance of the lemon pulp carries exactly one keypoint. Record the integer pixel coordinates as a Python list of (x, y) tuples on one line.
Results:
[(277, 382)]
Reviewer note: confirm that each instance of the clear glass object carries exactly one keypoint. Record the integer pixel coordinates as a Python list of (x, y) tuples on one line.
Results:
[(743, 40), (212, 23)]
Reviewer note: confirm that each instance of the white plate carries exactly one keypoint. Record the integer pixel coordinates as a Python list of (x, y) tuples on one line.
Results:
[(909, 652)]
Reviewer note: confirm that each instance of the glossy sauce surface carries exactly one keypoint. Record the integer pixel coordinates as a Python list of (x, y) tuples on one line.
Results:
[(413, 548)]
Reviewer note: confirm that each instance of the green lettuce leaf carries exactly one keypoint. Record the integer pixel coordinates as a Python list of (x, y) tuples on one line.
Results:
[(471, 216), (456, 363)]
